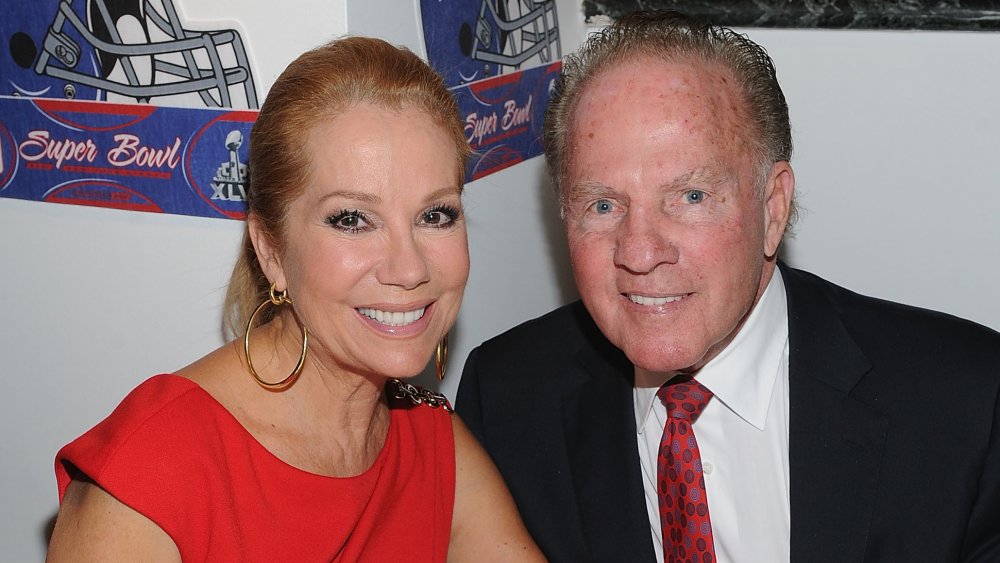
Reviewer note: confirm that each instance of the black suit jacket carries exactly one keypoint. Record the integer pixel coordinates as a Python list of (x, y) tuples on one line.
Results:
[(894, 443)]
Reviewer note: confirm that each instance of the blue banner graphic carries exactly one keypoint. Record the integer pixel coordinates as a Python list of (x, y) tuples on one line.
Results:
[(472, 40), (503, 117), (186, 161), (124, 51), (500, 58)]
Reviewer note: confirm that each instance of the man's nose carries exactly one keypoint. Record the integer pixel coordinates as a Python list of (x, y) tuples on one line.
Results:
[(644, 242)]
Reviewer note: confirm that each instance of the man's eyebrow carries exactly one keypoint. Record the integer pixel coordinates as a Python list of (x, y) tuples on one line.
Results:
[(589, 189), (711, 176), (707, 176)]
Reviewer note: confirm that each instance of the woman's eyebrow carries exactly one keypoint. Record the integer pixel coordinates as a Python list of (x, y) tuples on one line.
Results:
[(356, 196)]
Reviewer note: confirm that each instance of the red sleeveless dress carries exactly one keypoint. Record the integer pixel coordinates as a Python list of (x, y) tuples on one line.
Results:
[(174, 454)]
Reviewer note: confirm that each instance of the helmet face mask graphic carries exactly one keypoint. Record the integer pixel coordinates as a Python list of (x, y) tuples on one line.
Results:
[(472, 40), (508, 33), (122, 50)]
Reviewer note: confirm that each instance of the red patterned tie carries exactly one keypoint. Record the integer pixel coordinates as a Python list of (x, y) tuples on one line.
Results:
[(684, 518)]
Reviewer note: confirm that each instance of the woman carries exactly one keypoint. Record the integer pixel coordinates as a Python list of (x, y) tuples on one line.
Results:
[(283, 445)]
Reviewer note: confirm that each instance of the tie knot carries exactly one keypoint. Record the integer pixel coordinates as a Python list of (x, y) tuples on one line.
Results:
[(684, 398)]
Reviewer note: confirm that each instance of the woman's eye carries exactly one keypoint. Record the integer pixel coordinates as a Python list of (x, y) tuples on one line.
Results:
[(350, 220), (440, 216), (602, 206), (694, 196)]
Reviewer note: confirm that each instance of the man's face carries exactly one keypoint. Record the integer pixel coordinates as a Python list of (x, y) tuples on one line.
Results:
[(671, 244)]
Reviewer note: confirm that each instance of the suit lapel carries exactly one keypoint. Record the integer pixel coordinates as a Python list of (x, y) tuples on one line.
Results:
[(604, 460), (835, 440)]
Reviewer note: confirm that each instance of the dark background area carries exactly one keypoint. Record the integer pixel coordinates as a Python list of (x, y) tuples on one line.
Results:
[(974, 15)]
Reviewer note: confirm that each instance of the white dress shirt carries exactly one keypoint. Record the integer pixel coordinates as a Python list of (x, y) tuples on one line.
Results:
[(742, 435)]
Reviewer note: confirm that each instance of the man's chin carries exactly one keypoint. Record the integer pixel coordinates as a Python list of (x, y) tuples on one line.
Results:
[(659, 360)]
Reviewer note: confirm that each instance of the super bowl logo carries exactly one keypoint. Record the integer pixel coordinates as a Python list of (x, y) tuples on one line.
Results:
[(229, 182), (137, 157), (214, 165)]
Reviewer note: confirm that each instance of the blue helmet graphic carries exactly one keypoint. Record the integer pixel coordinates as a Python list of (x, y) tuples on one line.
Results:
[(128, 50), (468, 41)]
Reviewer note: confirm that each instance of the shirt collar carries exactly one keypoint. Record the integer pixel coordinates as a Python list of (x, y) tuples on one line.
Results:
[(742, 376)]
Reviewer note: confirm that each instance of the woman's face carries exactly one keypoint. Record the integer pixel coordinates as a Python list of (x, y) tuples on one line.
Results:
[(375, 255)]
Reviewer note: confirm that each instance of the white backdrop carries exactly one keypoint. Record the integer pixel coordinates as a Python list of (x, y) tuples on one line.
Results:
[(896, 160)]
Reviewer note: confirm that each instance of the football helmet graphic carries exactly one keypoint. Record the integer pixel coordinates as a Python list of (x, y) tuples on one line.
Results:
[(470, 40), (508, 33), (128, 50)]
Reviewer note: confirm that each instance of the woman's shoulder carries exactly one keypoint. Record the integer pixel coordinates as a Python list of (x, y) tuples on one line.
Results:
[(154, 401), (163, 453), (422, 419), (161, 424), (153, 395), (145, 405)]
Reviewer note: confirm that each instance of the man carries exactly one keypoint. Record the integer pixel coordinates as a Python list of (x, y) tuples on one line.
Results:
[(822, 425)]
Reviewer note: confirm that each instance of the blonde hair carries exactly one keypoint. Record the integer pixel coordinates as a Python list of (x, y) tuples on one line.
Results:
[(319, 85)]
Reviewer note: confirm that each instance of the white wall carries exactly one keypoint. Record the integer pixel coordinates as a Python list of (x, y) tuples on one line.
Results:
[(898, 162), (94, 301), (896, 159)]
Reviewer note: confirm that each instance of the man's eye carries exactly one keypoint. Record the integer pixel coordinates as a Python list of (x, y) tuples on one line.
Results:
[(694, 196), (603, 206)]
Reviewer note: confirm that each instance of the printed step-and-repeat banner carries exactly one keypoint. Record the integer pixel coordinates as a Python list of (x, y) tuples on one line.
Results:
[(184, 161), (501, 59), (124, 104)]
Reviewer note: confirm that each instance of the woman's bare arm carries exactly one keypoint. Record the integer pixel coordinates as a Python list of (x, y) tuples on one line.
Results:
[(486, 526), (94, 526)]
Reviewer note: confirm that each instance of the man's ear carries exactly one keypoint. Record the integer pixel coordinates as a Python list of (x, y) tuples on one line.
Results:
[(778, 194), (267, 254)]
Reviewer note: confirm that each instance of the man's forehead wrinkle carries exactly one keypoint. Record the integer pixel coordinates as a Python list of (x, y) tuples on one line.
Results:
[(715, 105)]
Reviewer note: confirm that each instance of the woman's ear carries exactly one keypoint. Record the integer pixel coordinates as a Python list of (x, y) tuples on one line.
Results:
[(267, 254)]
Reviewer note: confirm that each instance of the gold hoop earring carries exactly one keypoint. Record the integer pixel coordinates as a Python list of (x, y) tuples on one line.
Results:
[(274, 298), (441, 357)]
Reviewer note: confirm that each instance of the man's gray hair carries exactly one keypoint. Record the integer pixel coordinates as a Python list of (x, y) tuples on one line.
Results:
[(674, 37)]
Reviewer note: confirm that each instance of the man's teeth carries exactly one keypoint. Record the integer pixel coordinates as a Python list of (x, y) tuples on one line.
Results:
[(393, 318), (653, 301)]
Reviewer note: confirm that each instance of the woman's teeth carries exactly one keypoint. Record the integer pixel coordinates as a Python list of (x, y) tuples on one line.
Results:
[(393, 318)]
